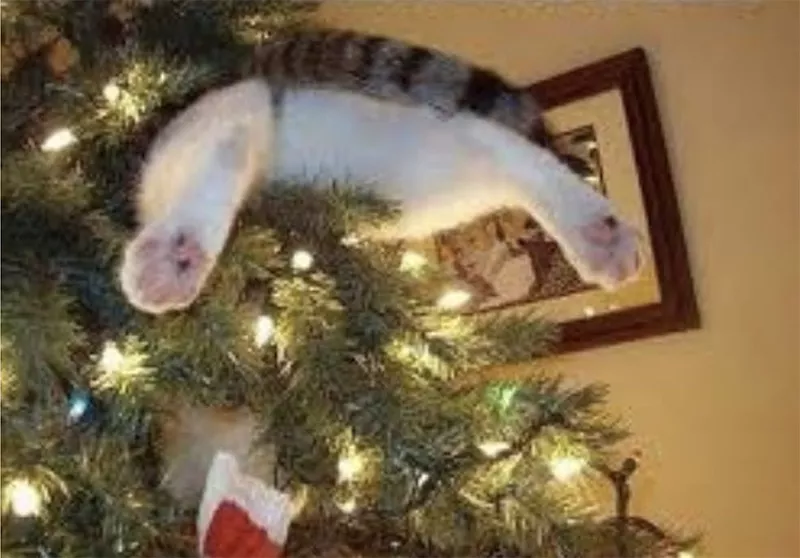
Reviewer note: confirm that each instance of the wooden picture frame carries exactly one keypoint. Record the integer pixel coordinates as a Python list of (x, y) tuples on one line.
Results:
[(677, 310), (607, 117)]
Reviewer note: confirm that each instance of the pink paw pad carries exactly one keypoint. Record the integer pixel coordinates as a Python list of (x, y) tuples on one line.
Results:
[(164, 272), (610, 252)]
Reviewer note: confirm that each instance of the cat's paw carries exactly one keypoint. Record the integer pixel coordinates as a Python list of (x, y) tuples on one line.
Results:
[(164, 271), (605, 252)]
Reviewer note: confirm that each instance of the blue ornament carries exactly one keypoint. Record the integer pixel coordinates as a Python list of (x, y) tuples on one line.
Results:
[(80, 404)]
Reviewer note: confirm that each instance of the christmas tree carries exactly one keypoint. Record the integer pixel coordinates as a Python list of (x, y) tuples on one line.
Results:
[(362, 389)]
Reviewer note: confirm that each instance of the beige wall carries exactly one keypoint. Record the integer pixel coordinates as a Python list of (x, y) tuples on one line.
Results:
[(715, 411)]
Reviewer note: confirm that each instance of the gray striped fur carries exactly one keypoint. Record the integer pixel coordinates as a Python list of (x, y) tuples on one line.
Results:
[(392, 70)]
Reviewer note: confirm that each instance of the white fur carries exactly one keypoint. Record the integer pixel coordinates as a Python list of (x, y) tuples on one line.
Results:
[(445, 172), (202, 165)]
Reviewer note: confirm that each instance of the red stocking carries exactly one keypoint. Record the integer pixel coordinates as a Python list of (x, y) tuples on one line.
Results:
[(240, 517)]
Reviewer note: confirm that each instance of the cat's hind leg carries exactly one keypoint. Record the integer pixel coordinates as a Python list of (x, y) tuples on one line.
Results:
[(604, 249), (196, 177)]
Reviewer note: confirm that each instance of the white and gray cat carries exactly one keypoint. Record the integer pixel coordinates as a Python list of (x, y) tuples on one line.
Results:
[(444, 171)]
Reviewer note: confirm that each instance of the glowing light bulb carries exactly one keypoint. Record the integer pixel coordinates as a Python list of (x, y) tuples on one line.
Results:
[(263, 330), (565, 468), (453, 299), (493, 448), (589, 311), (685, 554), (112, 92), (302, 260), (351, 240), (507, 397), (25, 500), (412, 261), (349, 467), (112, 360), (58, 140), (347, 506)]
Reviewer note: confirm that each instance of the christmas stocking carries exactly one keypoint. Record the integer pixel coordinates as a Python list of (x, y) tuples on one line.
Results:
[(240, 517)]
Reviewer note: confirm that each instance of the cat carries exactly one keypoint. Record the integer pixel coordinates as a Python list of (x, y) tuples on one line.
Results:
[(394, 70), (204, 163)]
